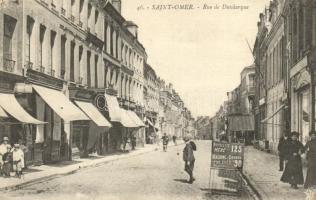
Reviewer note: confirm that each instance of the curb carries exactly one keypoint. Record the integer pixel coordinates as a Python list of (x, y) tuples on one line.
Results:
[(256, 194), (57, 175)]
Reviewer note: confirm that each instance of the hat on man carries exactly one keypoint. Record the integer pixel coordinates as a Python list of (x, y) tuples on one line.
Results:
[(16, 145), (5, 139)]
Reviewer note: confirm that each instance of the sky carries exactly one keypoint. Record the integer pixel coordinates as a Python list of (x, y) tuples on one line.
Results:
[(201, 51)]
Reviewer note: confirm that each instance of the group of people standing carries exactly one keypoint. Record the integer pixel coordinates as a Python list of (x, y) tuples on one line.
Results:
[(291, 151), (11, 158)]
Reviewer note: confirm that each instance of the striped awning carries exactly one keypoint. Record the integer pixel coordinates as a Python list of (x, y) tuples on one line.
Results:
[(241, 123)]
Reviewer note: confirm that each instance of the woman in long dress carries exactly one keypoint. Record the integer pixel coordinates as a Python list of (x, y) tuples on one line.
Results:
[(310, 148), (293, 173)]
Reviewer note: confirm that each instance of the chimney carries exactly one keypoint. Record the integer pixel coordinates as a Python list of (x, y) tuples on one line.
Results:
[(117, 5)]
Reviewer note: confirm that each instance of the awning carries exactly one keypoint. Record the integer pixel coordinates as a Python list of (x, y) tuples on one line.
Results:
[(91, 111), (278, 110), (2, 113), (241, 123), (60, 104), (9, 103), (136, 119), (126, 120), (114, 108), (149, 122)]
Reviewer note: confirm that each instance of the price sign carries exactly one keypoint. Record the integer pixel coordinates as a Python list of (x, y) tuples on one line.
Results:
[(227, 155), (226, 163)]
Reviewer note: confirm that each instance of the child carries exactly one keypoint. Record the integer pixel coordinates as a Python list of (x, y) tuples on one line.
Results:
[(18, 160), (7, 162)]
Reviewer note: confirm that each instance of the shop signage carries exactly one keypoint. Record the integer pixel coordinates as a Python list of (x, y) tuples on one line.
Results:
[(100, 102)]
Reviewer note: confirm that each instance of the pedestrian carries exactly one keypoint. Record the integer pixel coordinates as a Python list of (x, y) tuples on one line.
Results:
[(310, 148), (133, 142), (293, 173), (189, 159), (7, 162), (165, 141), (3, 149), (282, 148), (174, 138), (18, 160)]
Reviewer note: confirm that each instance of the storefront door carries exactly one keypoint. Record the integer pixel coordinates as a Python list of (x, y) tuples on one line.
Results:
[(304, 107)]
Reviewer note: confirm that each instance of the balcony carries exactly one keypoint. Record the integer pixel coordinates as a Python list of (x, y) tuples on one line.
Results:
[(8, 65), (250, 90)]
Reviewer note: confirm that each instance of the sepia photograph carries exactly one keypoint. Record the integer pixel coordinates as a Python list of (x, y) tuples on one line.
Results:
[(157, 99)]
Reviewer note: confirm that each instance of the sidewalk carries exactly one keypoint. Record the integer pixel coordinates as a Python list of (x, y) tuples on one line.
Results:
[(45, 172), (262, 171)]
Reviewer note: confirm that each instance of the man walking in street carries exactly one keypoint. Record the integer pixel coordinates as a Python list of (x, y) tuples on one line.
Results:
[(188, 158), (165, 141)]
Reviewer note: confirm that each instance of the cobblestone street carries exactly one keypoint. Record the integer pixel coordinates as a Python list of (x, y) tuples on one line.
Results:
[(155, 175)]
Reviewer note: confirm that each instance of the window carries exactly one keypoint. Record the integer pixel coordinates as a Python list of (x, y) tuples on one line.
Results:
[(63, 56), (42, 35), (72, 61), (29, 28), (80, 62), (9, 27), (52, 58), (88, 69), (105, 34), (111, 41), (117, 45), (96, 59)]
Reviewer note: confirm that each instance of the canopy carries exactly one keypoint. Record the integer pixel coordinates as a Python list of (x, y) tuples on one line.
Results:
[(149, 122), (126, 120), (60, 104), (9, 103), (114, 108), (241, 123), (2, 113), (136, 119), (278, 110), (91, 111)]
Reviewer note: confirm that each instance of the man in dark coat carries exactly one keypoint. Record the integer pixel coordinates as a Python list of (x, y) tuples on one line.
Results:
[(282, 148), (165, 141), (189, 159), (293, 173)]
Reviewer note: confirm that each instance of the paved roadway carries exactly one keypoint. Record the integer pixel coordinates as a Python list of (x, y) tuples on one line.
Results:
[(152, 176)]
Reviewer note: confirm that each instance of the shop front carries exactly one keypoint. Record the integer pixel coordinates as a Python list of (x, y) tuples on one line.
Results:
[(301, 99)]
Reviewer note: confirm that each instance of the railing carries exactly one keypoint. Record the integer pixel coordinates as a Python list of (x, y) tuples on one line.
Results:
[(63, 11), (9, 65), (80, 24), (28, 65), (62, 74), (41, 69), (80, 80), (51, 72), (72, 18)]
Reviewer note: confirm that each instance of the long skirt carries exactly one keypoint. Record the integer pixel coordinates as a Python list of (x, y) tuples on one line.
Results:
[(6, 169), (311, 173), (293, 173)]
